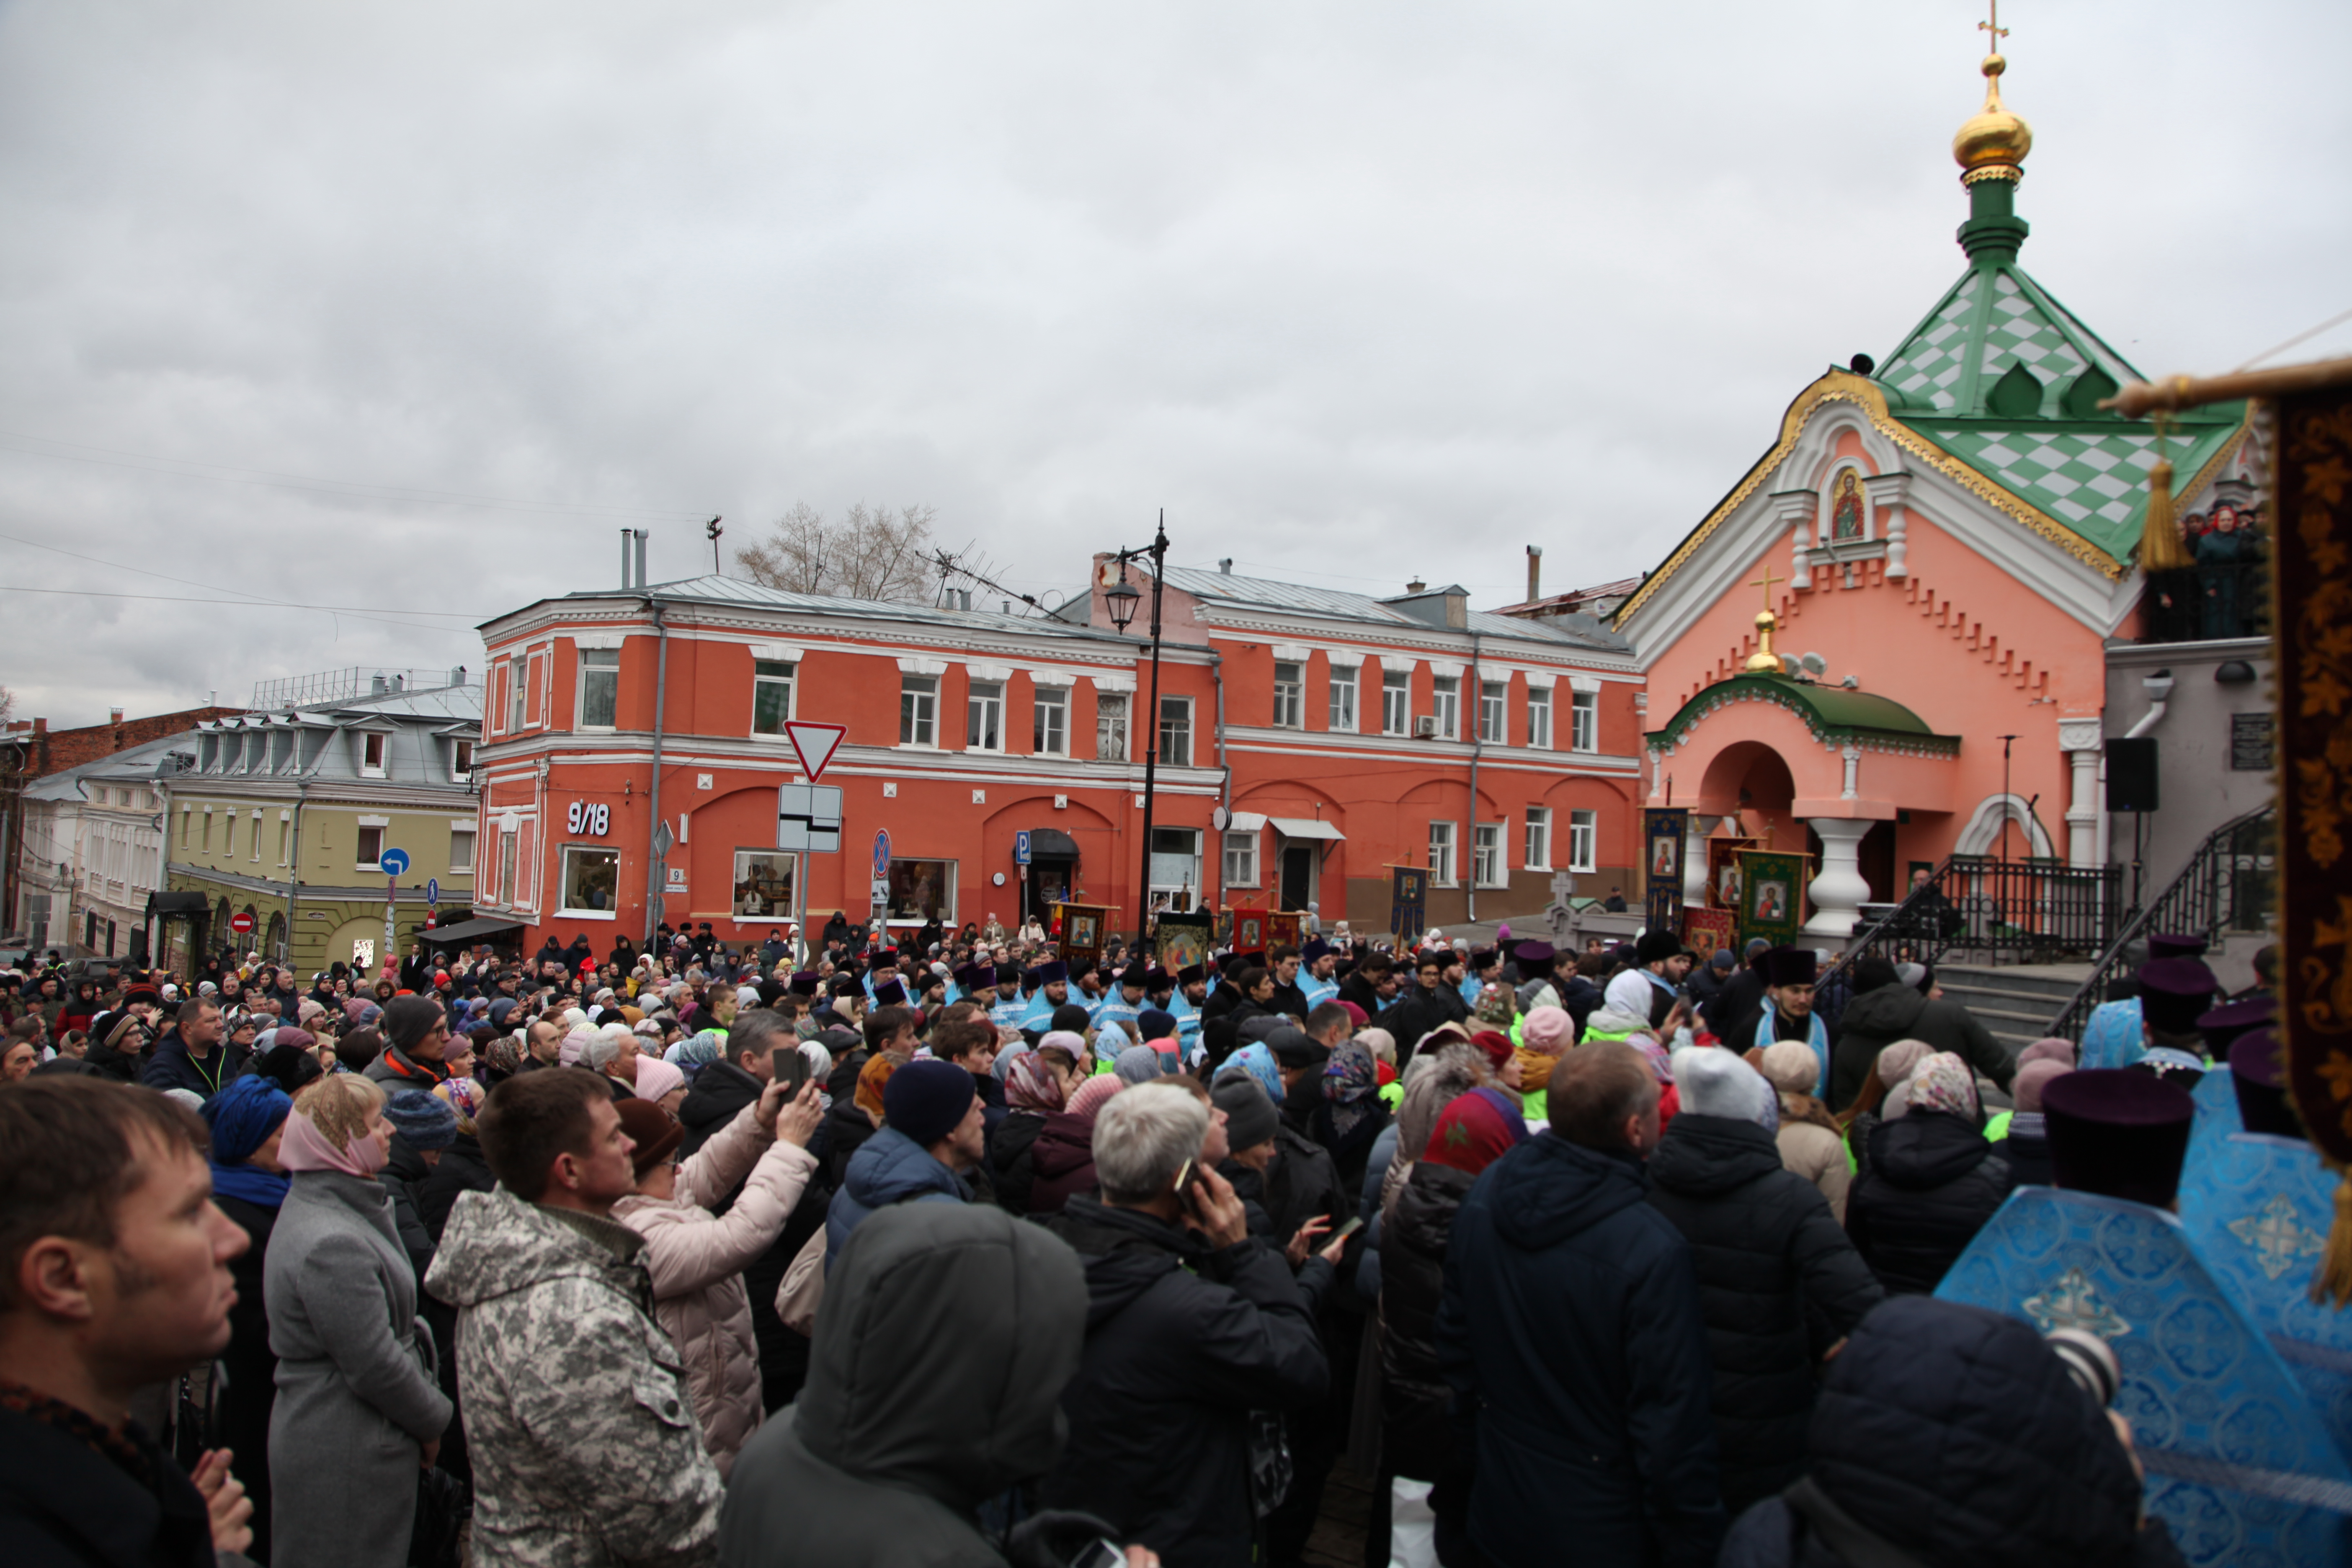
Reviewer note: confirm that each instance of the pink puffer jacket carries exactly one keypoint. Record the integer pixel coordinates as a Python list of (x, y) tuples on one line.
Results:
[(697, 1259)]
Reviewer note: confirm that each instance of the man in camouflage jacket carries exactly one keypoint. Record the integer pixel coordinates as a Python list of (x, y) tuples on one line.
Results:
[(585, 1447)]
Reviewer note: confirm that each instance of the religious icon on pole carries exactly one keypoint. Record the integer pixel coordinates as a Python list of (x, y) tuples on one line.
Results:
[(1663, 830), (1249, 929), (1408, 902), (1723, 883), (1184, 940), (1773, 896), (1281, 929), (1083, 926)]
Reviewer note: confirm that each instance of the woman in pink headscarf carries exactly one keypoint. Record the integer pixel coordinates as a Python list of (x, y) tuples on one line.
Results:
[(1037, 1087), (1064, 1157)]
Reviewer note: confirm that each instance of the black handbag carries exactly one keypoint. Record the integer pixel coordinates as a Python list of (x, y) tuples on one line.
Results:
[(443, 1505)]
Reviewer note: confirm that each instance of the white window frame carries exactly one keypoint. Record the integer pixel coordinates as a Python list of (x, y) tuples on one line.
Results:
[(1488, 866), (1180, 710), (517, 673), (1583, 840), (1494, 712), (257, 835), (1446, 705), (593, 666), (507, 845), (764, 674), (285, 838), (1186, 862), (1289, 695), (1539, 717), (1241, 858), (1537, 838), (984, 716), (466, 866), (535, 689), (379, 742), (361, 860), (918, 712), (1396, 702), (1584, 721), (1343, 700), (1115, 709), (1049, 721), (563, 881), (461, 761), (1442, 842)]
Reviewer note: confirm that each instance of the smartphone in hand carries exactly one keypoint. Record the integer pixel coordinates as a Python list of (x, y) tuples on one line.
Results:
[(788, 1066)]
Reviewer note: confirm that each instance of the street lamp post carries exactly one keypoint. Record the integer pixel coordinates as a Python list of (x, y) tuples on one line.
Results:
[(1122, 600)]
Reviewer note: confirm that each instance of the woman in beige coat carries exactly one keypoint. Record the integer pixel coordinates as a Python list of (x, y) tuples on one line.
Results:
[(696, 1257), (1811, 1143)]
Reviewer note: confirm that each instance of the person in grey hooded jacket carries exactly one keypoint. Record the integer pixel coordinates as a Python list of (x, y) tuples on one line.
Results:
[(935, 1383)]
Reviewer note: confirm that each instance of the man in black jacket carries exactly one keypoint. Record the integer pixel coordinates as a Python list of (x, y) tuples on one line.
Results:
[(1573, 1336), (1367, 984), (1192, 1327), (1770, 1255), (191, 1055), (1884, 1010), (1287, 995), (1430, 1003)]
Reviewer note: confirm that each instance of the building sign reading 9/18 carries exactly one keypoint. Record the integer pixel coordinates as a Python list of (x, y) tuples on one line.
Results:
[(591, 820)]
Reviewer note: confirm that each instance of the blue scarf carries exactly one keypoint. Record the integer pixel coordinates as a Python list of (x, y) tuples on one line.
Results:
[(263, 1189)]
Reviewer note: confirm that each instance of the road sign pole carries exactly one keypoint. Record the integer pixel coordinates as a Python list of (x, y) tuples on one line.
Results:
[(391, 892)]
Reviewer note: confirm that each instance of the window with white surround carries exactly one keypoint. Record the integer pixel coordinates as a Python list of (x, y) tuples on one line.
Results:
[(1539, 717), (1440, 853), (918, 709), (229, 838), (373, 746), (600, 687), (592, 880), (1175, 867), (1446, 705), (507, 867), (1289, 696), (515, 680), (1343, 700), (1111, 726), (984, 707), (461, 761), (1584, 721), (1583, 832), (1241, 859), (535, 689), (1049, 734), (1176, 732), (369, 847), (1486, 855), (1538, 843), (771, 696), (1492, 695), (257, 835), (285, 839), (461, 850), (1396, 702)]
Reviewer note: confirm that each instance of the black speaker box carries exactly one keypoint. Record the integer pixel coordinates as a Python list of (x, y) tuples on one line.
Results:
[(2131, 774)]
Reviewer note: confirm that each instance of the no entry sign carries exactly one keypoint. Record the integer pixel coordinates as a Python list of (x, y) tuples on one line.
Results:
[(240, 922)]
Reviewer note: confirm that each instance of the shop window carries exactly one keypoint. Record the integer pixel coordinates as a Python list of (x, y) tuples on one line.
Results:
[(922, 890), (763, 885), (592, 880)]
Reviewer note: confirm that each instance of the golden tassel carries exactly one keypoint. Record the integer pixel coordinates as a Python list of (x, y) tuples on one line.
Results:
[(2160, 545), (2333, 1284)]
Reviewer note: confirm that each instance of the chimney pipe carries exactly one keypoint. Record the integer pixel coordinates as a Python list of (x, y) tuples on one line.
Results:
[(1535, 572), (114, 715), (1225, 566), (1415, 586), (641, 558), (625, 558)]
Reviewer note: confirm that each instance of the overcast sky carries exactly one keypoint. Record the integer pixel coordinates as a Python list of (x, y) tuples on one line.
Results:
[(410, 308)]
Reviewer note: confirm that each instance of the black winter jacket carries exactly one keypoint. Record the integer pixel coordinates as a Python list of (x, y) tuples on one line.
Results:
[(173, 1068), (1876, 1019), (1767, 1248), (1299, 1184), (1955, 1437), (1012, 1161), (1182, 1342), (1932, 1183), (463, 1169), (1573, 1335), (65, 1504), (1415, 1396), (402, 1176)]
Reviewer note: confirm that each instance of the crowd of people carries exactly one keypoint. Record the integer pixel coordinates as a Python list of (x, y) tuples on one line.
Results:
[(941, 1252)]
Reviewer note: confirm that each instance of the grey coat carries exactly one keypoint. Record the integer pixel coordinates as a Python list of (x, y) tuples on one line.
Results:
[(356, 1395)]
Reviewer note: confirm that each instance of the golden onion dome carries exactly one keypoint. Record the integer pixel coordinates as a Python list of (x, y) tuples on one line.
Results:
[(1992, 145)]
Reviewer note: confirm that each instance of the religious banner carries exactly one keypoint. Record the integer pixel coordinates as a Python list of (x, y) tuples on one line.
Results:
[(1184, 939), (1663, 831), (1281, 929), (1772, 896), (1704, 931), (1408, 902), (1723, 870), (1249, 928), (2313, 556), (1084, 927)]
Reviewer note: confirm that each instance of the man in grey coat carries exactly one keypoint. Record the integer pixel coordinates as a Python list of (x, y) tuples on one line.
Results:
[(584, 1442)]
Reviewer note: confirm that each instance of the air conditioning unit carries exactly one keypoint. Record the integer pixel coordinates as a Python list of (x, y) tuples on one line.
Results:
[(1425, 727)]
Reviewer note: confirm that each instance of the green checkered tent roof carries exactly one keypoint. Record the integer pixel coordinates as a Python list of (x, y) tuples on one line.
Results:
[(2006, 379)]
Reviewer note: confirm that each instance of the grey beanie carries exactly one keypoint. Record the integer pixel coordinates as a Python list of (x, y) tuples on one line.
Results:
[(1137, 1064), (1250, 1116)]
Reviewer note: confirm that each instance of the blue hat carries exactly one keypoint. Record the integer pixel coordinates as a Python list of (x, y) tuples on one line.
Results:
[(424, 1121), (926, 1099)]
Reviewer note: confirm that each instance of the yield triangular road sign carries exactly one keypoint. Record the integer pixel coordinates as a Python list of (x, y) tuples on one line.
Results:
[(815, 745)]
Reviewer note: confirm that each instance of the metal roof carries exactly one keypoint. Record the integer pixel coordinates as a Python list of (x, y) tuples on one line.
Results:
[(133, 764), (715, 590), (1258, 593)]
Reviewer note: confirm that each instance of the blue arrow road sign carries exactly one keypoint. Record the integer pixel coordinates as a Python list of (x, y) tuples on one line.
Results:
[(1020, 847), (394, 863)]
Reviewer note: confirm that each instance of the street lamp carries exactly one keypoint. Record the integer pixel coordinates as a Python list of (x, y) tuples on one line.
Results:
[(1122, 600)]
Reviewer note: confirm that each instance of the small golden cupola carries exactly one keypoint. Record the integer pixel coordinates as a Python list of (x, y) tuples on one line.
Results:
[(1993, 144)]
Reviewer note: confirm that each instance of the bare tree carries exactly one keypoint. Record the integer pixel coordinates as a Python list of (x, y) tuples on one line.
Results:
[(7, 703), (871, 553)]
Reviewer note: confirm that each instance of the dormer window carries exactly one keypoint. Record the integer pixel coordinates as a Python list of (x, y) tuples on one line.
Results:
[(372, 749), (461, 766)]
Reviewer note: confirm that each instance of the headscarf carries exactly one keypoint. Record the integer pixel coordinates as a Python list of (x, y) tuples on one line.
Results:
[(1093, 1093), (2031, 1080), (1547, 1028), (575, 1044), (1349, 1086), (1898, 1061), (871, 1080), (655, 1078), (2063, 1052), (1792, 1069), (465, 1097), (694, 1052), (1474, 1131), (502, 1058), (1379, 1042), (1258, 1062), (305, 1148), (1943, 1082), (1497, 1006), (242, 1117), (820, 1061), (1030, 1085), (1137, 1064)]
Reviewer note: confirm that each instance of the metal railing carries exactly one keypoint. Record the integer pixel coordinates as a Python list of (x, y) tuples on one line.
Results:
[(2230, 884), (2209, 602), (356, 681)]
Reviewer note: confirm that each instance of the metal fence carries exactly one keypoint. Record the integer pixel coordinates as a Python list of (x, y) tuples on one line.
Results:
[(358, 680), (1983, 908), (2209, 602)]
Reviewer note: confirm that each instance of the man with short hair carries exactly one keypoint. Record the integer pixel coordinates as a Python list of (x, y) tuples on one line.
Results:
[(193, 1054), (1318, 978), (1194, 1327), (113, 1277), (1330, 1025), (1283, 962), (1430, 1003), (891, 1031), (415, 1033), (543, 1039), (1571, 1331), (933, 1131), (583, 1439)]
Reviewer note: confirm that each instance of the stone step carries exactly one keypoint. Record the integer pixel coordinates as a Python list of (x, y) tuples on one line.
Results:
[(2058, 981)]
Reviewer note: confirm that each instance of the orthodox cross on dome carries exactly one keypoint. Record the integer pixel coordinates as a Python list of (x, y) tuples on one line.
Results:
[(1765, 582), (1994, 27)]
